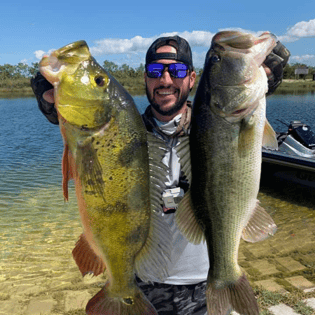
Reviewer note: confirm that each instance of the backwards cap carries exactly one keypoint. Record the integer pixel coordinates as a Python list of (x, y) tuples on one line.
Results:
[(182, 47)]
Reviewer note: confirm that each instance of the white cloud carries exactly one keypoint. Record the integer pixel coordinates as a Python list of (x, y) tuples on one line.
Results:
[(132, 51), (302, 29), (302, 58), (120, 46), (287, 38), (40, 53), (141, 44)]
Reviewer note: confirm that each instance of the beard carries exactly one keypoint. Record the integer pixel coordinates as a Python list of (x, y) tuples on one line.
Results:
[(175, 107)]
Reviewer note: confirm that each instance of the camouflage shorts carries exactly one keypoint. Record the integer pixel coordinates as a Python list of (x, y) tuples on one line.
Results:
[(176, 299)]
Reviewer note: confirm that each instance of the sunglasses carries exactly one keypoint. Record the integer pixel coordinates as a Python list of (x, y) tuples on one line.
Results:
[(176, 70)]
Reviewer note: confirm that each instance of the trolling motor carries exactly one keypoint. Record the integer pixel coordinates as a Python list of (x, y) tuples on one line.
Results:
[(301, 132)]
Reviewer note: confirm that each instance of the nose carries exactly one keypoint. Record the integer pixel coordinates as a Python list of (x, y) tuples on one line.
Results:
[(166, 77)]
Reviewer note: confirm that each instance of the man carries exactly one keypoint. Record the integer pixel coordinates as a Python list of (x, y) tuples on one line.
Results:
[(169, 77)]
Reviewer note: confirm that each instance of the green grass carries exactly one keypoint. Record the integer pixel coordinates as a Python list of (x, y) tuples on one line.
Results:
[(292, 299)]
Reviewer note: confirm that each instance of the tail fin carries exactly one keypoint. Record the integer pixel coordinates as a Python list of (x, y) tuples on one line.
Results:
[(105, 304), (238, 296)]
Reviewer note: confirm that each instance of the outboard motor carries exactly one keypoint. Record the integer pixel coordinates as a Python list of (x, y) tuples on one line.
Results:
[(302, 133)]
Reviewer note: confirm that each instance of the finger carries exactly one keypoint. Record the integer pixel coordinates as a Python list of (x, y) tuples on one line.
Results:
[(49, 96), (267, 70), (274, 63)]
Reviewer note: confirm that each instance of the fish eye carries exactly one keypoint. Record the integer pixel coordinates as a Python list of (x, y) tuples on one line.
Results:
[(100, 81), (215, 58)]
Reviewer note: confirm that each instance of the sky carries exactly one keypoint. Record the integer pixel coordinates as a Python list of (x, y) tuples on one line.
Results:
[(122, 31)]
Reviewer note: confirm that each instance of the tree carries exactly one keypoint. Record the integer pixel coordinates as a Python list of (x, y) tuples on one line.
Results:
[(110, 66)]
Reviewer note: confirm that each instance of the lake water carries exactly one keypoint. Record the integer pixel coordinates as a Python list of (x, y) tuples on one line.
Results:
[(38, 229)]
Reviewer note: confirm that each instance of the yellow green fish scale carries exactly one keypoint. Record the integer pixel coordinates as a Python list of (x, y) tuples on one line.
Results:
[(119, 211), (76, 86)]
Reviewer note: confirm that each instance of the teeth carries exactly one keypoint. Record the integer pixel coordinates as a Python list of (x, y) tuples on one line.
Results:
[(165, 93)]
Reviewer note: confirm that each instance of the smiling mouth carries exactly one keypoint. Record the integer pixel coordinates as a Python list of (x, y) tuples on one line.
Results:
[(165, 92)]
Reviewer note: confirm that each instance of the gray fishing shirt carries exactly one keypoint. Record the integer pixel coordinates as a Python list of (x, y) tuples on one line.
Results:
[(189, 263)]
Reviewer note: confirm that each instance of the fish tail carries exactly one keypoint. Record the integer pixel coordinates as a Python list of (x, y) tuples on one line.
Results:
[(238, 296), (103, 303)]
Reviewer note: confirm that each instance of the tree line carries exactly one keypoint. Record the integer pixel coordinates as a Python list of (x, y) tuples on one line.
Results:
[(17, 76)]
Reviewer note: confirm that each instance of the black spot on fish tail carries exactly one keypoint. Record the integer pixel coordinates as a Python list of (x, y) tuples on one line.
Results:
[(128, 301), (90, 169), (131, 152)]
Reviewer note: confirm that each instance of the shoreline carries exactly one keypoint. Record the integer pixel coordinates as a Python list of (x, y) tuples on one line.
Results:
[(287, 86)]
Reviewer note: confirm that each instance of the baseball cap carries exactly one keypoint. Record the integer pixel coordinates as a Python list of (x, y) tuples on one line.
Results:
[(182, 47)]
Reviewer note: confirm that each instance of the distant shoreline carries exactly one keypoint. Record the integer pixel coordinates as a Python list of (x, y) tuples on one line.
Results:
[(287, 86)]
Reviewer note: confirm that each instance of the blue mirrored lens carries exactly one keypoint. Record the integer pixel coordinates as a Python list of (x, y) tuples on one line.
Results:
[(176, 70), (155, 70)]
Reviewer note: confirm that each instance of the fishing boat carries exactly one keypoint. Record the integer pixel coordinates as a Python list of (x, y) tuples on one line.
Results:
[(294, 161)]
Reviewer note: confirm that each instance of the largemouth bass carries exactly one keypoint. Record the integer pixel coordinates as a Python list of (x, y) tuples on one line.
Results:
[(228, 130), (106, 152)]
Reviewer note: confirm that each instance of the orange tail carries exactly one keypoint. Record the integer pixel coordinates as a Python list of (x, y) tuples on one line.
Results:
[(104, 304), (238, 296)]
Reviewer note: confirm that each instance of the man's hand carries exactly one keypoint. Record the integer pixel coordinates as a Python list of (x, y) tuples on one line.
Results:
[(44, 93), (48, 96), (274, 65)]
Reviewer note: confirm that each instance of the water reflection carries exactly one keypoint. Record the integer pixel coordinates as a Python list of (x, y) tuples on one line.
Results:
[(38, 230)]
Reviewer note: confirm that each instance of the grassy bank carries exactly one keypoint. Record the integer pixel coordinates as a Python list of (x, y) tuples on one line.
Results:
[(137, 87), (296, 86)]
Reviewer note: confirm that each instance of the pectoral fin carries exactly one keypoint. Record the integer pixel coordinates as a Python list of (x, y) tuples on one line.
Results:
[(259, 227), (187, 222), (269, 137)]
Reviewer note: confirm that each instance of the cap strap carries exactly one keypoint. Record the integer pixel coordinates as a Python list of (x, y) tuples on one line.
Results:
[(156, 56)]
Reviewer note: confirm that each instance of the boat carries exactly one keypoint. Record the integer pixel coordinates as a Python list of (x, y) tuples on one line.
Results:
[(294, 160)]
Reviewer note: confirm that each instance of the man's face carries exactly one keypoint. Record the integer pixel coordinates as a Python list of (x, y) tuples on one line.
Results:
[(166, 94)]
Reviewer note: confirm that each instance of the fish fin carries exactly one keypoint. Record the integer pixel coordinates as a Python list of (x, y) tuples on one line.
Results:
[(156, 252), (264, 45), (106, 304), (183, 152), (86, 259), (158, 170), (66, 171), (260, 226), (238, 296), (151, 261), (269, 137), (187, 222)]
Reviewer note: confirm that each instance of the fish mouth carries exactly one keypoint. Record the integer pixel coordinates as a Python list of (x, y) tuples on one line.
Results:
[(239, 114), (50, 67)]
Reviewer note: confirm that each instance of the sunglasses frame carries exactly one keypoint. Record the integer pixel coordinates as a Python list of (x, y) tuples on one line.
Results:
[(160, 72)]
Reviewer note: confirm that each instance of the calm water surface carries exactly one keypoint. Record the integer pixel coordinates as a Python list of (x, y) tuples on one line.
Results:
[(38, 229)]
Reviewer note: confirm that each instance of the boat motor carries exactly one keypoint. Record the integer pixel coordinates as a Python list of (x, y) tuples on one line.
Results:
[(302, 133)]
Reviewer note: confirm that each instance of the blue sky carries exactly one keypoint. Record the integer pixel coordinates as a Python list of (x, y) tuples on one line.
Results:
[(121, 31)]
